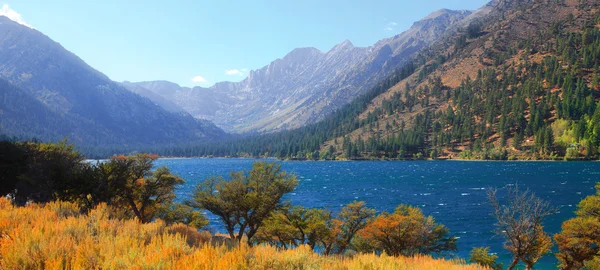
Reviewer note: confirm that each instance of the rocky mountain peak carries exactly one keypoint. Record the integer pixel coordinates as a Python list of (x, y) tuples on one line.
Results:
[(307, 84), (301, 53), (445, 16)]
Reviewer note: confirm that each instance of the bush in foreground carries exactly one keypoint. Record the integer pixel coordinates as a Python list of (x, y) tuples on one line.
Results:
[(57, 236)]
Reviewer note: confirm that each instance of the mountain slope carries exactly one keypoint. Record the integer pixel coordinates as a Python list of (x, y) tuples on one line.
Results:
[(79, 102), (306, 84), (520, 81), (154, 97)]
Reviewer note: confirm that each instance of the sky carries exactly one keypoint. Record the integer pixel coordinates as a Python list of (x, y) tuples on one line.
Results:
[(203, 42)]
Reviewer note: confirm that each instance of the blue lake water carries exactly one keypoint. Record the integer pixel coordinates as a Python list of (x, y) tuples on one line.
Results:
[(453, 192)]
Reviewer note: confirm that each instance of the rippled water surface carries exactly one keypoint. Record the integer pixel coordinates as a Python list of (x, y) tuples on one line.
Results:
[(453, 192)]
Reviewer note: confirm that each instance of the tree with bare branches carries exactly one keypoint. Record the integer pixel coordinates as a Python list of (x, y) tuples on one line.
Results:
[(519, 221)]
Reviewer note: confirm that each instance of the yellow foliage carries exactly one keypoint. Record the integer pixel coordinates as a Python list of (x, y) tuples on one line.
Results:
[(562, 132), (57, 236)]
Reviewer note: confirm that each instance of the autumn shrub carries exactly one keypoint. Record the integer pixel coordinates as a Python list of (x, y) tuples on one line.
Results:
[(579, 240), (406, 232), (193, 237), (56, 236)]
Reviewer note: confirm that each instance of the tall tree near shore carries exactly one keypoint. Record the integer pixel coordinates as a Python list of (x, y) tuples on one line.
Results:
[(353, 218), (294, 226), (519, 221), (147, 193), (247, 199)]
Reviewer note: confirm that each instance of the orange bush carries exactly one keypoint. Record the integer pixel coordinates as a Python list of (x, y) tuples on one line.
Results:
[(56, 236)]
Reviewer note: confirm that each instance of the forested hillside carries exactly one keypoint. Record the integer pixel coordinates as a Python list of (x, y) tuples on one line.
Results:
[(520, 82)]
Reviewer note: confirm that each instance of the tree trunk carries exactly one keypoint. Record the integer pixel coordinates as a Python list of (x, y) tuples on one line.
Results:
[(513, 264), (241, 231), (135, 210)]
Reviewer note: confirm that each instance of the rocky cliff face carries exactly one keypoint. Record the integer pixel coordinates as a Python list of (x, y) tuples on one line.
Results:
[(306, 84)]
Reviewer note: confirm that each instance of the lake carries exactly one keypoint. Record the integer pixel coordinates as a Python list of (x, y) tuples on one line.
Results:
[(453, 192)]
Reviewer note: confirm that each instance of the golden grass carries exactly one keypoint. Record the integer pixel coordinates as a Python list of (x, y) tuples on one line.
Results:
[(56, 236)]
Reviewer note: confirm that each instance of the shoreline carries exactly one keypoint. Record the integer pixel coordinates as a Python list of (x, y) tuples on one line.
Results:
[(367, 160)]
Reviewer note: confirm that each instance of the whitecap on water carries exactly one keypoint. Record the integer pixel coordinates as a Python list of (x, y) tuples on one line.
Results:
[(465, 194)]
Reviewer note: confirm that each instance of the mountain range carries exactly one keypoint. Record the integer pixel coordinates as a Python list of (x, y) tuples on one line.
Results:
[(306, 84), (48, 93), (516, 78)]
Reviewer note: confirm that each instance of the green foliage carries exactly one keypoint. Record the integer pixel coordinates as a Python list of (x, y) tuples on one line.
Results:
[(482, 256), (353, 217), (295, 226), (572, 153), (137, 187), (181, 213), (473, 30), (247, 199), (12, 161), (42, 172)]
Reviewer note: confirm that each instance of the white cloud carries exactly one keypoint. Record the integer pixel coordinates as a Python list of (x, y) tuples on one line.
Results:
[(199, 79), (236, 71), (13, 15), (390, 26)]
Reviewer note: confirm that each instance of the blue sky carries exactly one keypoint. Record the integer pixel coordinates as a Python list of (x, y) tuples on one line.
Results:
[(212, 41)]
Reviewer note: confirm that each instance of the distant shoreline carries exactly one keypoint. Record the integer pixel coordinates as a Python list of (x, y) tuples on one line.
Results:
[(363, 160)]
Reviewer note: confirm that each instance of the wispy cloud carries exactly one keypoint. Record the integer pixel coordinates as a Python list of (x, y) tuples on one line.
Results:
[(13, 15), (239, 72), (199, 79), (390, 26)]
